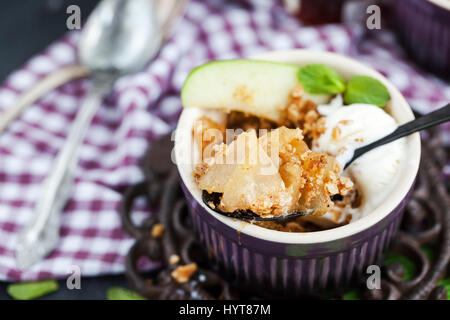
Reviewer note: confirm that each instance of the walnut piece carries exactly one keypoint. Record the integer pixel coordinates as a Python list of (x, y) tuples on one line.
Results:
[(182, 274), (174, 259), (157, 231)]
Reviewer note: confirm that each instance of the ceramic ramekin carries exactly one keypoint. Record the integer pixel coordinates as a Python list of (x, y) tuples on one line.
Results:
[(424, 28), (298, 263)]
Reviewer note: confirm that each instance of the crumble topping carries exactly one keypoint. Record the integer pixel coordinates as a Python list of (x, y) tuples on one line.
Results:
[(302, 113)]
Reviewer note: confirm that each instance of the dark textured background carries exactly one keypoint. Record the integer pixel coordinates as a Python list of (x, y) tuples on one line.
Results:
[(26, 28)]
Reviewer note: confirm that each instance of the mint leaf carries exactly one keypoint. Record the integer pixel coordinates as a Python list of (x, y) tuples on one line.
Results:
[(445, 283), (118, 293), (362, 89), (352, 295), (31, 290), (319, 79)]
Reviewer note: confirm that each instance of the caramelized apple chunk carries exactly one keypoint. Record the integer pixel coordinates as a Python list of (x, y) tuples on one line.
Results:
[(246, 176)]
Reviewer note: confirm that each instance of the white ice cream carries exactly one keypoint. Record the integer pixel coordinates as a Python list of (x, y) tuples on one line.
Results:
[(375, 173)]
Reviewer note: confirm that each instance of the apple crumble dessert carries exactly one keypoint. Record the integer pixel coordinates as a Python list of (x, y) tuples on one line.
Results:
[(282, 138)]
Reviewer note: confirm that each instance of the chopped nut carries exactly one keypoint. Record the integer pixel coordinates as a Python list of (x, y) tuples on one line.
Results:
[(311, 116), (182, 274), (174, 259), (157, 230), (332, 188), (345, 184)]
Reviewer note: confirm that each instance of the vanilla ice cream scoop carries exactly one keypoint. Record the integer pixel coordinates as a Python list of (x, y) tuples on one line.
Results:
[(374, 173)]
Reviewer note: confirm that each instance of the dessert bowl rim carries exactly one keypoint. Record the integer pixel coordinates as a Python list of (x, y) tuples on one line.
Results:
[(444, 4)]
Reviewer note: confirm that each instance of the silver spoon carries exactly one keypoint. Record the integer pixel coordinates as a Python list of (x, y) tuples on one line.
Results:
[(427, 121), (120, 37)]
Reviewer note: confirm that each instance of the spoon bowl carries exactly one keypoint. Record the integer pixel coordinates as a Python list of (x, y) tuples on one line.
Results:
[(120, 36)]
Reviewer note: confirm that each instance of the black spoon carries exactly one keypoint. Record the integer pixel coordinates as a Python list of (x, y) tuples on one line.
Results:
[(424, 122), (248, 215)]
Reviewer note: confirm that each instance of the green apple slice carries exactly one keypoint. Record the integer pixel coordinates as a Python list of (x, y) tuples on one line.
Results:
[(260, 88)]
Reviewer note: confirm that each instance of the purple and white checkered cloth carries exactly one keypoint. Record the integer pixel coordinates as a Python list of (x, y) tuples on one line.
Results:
[(142, 107)]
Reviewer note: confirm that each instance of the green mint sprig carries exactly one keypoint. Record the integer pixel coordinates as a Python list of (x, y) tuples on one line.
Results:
[(320, 79), (363, 89), (31, 290), (119, 293)]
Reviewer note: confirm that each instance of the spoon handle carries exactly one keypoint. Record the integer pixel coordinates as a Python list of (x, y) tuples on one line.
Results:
[(424, 122), (41, 236), (50, 82)]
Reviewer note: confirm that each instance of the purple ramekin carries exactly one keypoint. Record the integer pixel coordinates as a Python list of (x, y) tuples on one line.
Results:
[(289, 268), (424, 28), (299, 263)]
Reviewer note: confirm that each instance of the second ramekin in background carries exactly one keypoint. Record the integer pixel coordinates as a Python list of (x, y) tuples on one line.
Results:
[(424, 28)]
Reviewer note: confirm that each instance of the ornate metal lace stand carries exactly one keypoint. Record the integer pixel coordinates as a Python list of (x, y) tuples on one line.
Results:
[(426, 221)]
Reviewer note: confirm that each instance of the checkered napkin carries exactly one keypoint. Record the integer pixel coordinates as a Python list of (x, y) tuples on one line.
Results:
[(142, 107)]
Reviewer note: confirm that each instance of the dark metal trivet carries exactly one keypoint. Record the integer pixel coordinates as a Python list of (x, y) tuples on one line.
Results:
[(162, 189), (426, 221)]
